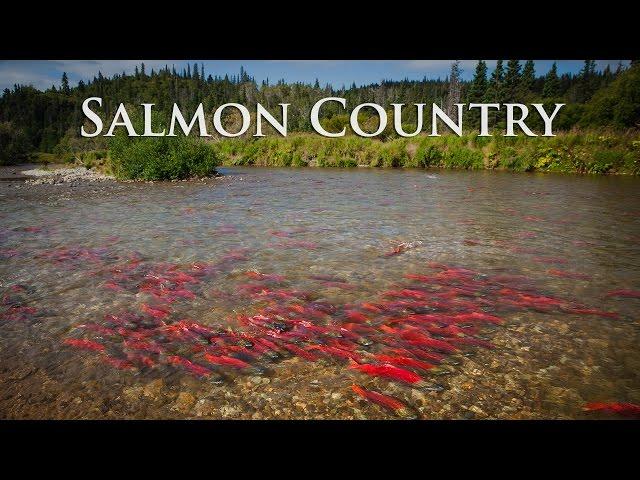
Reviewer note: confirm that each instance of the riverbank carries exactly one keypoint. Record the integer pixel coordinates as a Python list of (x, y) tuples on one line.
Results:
[(583, 152), (572, 152)]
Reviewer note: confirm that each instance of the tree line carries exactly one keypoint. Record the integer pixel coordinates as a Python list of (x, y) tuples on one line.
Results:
[(36, 120)]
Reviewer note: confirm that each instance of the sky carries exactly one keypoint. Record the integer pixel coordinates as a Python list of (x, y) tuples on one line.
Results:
[(44, 73)]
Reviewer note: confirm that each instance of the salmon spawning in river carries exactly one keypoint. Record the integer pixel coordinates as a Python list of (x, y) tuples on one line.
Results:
[(314, 308)]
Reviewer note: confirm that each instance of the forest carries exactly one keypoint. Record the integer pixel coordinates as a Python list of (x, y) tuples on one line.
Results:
[(49, 121)]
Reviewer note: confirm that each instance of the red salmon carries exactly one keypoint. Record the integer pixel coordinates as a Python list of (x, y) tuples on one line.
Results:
[(225, 361), (385, 401), (157, 312), (85, 344), (624, 409), (389, 371)]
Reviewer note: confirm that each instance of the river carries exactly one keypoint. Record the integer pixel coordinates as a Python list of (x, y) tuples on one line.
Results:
[(265, 293)]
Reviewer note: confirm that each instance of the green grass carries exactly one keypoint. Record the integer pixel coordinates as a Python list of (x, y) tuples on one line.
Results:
[(596, 152)]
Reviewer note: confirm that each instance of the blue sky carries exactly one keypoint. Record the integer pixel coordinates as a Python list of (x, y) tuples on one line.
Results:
[(42, 74)]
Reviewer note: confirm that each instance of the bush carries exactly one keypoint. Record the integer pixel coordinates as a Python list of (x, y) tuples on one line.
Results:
[(463, 157), (160, 158), (428, 155), (604, 160)]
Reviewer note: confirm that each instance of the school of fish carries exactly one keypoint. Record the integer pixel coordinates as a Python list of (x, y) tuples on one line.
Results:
[(406, 334)]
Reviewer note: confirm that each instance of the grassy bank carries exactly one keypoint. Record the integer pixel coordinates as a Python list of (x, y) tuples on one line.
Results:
[(579, 152), (168, 158)]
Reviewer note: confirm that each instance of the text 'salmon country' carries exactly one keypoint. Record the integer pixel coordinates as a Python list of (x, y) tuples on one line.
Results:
[(516, 115)]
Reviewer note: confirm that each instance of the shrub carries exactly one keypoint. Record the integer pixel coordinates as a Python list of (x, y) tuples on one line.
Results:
[(160, 158), (463, 157), (604, 160)]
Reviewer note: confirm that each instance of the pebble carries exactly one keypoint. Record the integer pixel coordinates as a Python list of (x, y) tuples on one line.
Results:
[(64, 175), (153, 388), (228, 411), (184, 403)]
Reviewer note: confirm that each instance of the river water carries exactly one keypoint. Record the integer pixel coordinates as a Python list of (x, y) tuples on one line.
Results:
[(268, 293)]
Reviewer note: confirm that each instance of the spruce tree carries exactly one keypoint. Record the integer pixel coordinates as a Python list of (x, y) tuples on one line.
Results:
[(65, 84), (587, 81), (551, 83), (495, 91), (512, 80), (528, 78), (496, 85), (478, 89)]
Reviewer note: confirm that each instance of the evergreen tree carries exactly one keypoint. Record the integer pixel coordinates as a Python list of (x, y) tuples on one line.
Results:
[(196, 75), (496, 85), (478, 89), (588, 81), (495, 91), (65, 84), (512, 80), (528, 78), (551, 83)]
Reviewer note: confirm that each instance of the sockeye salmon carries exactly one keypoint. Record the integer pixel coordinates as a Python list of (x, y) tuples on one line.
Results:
[(385, 401)]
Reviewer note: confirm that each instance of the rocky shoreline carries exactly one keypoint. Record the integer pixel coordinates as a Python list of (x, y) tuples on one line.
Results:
[(64, 175)]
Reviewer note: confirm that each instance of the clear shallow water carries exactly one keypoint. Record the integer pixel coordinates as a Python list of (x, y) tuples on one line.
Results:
[(71, 256)]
